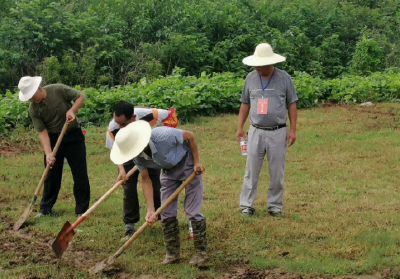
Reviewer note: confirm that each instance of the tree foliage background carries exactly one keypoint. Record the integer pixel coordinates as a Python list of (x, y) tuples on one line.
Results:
[(116, 42)]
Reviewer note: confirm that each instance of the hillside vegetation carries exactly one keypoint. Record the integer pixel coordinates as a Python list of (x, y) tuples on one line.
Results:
[(93, 43)]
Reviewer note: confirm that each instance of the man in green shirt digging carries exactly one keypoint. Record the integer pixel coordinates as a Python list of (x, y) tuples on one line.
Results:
[(50, 107)]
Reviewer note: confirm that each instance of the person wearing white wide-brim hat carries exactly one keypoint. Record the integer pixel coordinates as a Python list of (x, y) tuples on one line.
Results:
[(51, 106), (175, 152), (268, 96), (125, 113)]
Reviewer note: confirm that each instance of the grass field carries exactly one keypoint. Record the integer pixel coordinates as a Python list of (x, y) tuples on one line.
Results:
[(341, 201)]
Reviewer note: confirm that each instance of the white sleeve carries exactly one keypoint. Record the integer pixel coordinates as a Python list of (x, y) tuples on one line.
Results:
[(141, 112), (162, 114), (109, 140), (111, 127)]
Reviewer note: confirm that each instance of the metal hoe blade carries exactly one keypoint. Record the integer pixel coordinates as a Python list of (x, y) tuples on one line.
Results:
[(66, 234), (28, 210), (102, 265), (62, 240), (24, 215)]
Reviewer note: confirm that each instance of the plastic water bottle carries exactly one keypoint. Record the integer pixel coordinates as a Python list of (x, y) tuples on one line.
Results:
[(190, 229), (243, 146)]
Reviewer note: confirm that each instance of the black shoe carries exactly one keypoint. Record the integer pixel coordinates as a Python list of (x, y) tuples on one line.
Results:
[(247, 212), (41, 214), (275, 213), (128, 233)]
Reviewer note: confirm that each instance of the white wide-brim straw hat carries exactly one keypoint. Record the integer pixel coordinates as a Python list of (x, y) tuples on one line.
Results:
[(130, 141), (263, 55), (28, 87)]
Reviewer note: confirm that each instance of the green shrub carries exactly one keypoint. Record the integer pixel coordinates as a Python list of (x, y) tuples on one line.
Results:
[(13, 113), (190, 96), (310, 90), (95, 43), (367, 57), (378, 87), (209, 95)]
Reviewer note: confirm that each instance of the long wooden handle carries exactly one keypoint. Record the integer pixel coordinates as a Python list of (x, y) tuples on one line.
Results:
[(159, 210), (53, 154), (108, 193), (100, 266), (175, 194)]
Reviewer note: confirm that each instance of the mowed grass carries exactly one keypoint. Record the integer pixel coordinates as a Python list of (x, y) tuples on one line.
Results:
[(341, 203)]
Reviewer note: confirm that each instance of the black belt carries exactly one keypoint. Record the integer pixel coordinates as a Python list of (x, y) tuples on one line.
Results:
[(272, 128), (72, 131)]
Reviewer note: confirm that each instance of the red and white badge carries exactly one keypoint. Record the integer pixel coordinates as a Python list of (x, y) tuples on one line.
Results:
[(262, 106)]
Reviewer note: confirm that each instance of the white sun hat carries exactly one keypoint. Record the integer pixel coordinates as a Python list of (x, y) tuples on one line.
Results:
[(130, 141), (28, 86), (263, 55)]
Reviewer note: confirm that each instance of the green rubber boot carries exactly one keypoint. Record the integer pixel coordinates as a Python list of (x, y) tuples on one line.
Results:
[(200, 242), (172, 242)]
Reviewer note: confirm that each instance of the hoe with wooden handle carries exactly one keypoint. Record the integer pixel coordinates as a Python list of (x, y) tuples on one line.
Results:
[(66, 234), (102, 265), (29, 209)]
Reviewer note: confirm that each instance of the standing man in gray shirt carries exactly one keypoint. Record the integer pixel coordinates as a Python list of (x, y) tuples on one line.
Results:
[(268, 93)]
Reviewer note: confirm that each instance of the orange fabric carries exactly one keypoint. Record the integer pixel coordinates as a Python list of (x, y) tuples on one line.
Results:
[(172, 119), (111, 134), (155, 117)]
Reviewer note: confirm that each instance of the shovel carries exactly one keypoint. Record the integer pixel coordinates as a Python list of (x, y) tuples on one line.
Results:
[(102, 265), (66, 234), (29, 209)]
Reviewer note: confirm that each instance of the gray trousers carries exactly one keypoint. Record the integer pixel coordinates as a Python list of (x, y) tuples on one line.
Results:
[(171, 179), (272, 143)]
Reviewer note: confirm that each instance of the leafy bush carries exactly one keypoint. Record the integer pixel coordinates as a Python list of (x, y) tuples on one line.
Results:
[(310, 90), (208, 95), (367, 58), (13, 113), (96, 43), (378, 87), (190, 96)]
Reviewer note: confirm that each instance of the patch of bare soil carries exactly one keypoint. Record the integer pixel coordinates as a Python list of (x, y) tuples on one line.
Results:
[(9, 148), (245, 273), (376, 109), (27, 247), (369, 110), (371, 118)]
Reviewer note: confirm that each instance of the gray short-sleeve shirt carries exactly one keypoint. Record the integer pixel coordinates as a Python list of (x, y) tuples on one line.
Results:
[(280, 93), (167, 147)]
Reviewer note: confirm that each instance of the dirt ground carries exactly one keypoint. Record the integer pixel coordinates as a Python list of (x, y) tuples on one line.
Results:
[(10, 148), (34, 248)]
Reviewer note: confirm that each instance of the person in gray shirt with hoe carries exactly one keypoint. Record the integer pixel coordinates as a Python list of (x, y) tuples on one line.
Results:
[(175, 152)]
